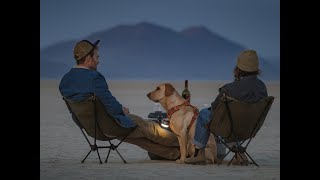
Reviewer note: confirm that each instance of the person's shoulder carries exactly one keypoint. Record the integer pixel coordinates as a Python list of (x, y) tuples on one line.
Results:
[(230, 84), (97, 75), (225, 87), (65, 76), (261, 81)]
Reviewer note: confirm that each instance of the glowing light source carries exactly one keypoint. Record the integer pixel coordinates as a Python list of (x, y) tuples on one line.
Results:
[(165, 123)]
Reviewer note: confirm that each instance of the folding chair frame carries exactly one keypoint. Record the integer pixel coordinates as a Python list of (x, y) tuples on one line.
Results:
[(94, 146), (238, 148)]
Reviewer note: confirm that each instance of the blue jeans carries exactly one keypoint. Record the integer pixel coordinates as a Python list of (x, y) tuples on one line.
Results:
[(202, 134)]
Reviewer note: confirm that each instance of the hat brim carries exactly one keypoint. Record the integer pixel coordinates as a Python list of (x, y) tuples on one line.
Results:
[(96, 43), (93, 46)]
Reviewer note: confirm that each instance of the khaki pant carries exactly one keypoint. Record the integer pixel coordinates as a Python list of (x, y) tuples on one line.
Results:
[(152, 138)]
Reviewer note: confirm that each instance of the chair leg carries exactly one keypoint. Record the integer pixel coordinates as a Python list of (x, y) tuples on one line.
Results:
[(239, 154), (114, 147), (86, 156), (231, 159), (223, 157), (107, 156), (121, 156), (111, 147), (252, 159), (99, 155)]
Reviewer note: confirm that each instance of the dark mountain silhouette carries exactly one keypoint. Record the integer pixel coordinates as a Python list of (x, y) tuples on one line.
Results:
[(149, 51)]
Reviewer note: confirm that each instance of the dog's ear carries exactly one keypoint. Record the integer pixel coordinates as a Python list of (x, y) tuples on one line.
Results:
[(169, 89)]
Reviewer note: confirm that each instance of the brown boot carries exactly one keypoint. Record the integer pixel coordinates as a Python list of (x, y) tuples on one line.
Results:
[(200, 158), (244, 158), (238, 161)]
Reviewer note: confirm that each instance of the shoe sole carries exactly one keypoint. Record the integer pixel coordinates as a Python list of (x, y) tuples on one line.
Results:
[(197, 163)]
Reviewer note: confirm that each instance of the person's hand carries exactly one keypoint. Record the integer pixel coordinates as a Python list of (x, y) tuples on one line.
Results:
[(125, 110)]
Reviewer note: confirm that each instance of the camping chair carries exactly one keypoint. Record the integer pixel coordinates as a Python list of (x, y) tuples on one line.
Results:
[(92, 118), (235, 122)]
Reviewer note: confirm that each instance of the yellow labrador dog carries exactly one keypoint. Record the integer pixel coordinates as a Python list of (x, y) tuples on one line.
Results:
[(182, 117)]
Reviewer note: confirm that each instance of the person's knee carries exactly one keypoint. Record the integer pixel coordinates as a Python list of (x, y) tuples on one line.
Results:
[(134, 117), (204, 116), (138, 120), (204, 111)]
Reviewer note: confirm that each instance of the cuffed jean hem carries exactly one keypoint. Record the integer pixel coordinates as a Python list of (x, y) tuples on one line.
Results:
[(198, 144)]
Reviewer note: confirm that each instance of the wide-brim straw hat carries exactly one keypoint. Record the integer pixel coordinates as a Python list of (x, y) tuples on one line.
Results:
[(248, 61)]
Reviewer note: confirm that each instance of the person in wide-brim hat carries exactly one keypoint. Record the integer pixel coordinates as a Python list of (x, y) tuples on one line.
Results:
[(246, 87)]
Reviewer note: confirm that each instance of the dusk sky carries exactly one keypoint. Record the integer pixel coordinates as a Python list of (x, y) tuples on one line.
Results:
[(252, 23)]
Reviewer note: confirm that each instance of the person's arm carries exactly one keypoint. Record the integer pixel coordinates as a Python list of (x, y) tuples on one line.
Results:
[(216, 101), (111, 104)]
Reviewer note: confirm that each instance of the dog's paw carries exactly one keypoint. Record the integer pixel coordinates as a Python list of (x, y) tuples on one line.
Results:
[(179, 161)]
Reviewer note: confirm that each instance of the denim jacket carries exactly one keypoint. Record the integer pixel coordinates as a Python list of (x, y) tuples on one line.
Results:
[(247, 89), (79, 83)]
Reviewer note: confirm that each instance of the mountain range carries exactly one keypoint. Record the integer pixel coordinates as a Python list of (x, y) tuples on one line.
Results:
[(149, 51)]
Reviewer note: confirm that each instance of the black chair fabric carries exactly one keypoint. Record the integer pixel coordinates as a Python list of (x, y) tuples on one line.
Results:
[(235, 122), (93, 120)]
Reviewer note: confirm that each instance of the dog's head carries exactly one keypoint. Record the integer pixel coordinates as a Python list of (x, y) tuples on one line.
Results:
[(162, 91)]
